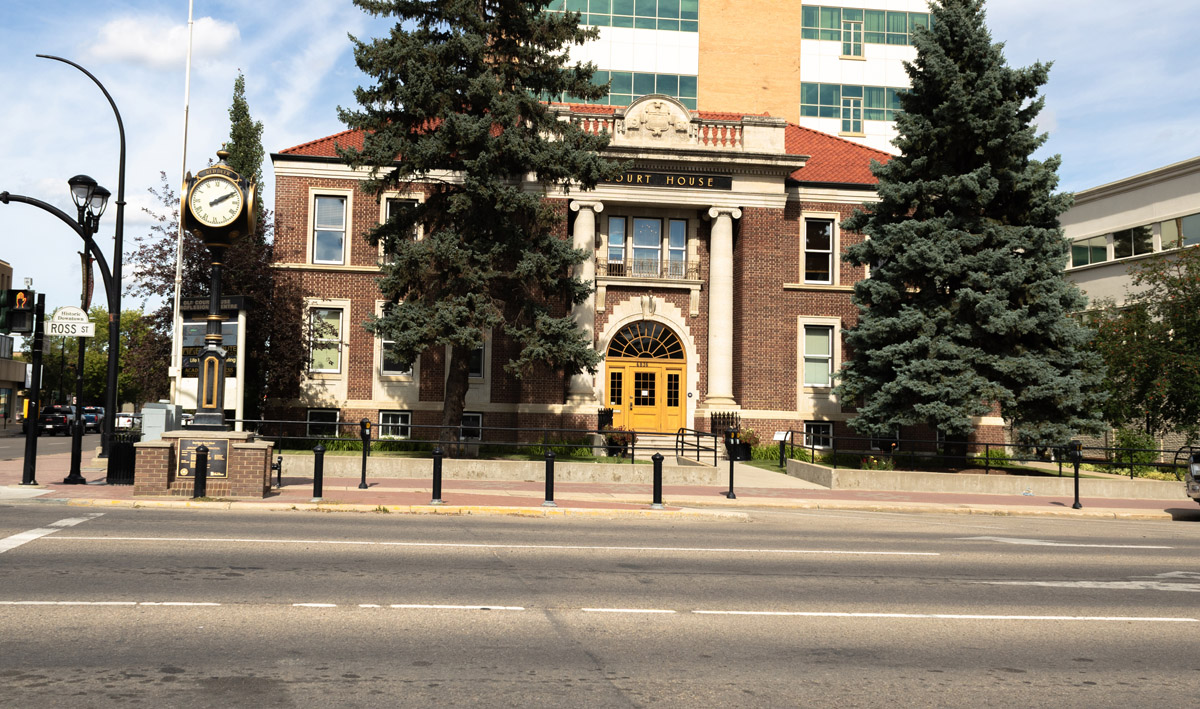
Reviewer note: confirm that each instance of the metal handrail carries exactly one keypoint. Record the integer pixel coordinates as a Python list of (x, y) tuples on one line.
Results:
[(681, 443)]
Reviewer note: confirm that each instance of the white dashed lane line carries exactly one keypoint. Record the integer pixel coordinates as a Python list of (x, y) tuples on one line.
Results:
[(16, 540)]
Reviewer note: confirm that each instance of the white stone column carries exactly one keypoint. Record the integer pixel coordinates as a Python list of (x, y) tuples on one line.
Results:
[(720, 307), (582, 389)]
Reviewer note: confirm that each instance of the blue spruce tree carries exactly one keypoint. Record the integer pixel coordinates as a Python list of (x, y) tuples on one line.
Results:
[(966, 308)]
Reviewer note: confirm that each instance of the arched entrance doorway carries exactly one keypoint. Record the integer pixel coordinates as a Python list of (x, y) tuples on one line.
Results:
[(645, 367)]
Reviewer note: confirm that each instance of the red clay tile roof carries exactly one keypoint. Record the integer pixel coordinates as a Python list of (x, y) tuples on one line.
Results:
[(833, 160)]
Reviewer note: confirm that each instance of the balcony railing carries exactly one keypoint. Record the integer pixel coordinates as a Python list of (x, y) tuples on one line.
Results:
[(648, 268)]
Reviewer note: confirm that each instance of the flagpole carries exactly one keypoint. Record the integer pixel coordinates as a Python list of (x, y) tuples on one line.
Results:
[(176, 327)]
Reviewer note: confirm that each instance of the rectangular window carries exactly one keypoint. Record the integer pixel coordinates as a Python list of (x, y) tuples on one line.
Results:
[(329, 229), (647, 246), (326, 340), (476, 363), (395, 424), (818, 355), (872, 103), (852, 39), (616, 246), (673, 390), (472, 427), (1088, 251), (852, 116), (1132, 242), (1183, 231), (323, 422), (818, 434), (393, 205), (818, 251), (643, 389), (677, 248), (615, 380), (391, 364)]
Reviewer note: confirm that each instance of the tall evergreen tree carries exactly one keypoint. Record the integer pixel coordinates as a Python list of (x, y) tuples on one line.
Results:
[(966, 307), (455, 113)]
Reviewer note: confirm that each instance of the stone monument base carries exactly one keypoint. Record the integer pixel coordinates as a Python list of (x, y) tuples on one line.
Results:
[(239, 464)]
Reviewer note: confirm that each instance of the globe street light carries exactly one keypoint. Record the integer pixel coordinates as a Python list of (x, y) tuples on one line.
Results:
[(90, 201)]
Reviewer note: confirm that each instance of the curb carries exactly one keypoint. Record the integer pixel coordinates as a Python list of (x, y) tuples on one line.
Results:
[(457, 510), (687, 509)]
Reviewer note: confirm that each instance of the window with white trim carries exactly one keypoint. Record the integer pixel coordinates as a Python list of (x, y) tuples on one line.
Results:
[(818, 356), (472, 427), (329, 229), (326, 354), (818, 251), (651, 248), (475, 364), (647, 246), (390, 206), (323, 422), (395, 424), (818, 434), (390, 362)]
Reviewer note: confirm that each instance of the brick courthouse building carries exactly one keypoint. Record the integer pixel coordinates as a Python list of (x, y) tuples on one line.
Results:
[(716, 259)]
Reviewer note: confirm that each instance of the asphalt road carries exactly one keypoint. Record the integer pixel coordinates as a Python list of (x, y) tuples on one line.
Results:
[(189, 609), (12, 446)]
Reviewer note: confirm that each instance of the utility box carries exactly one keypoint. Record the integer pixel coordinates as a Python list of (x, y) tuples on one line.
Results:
[(157, 419)]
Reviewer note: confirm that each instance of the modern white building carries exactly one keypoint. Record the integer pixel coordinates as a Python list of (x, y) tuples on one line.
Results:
[(1117, 225), (835, 68)]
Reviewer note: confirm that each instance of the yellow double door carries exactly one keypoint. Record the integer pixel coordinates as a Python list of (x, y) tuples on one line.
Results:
[(646, 395)]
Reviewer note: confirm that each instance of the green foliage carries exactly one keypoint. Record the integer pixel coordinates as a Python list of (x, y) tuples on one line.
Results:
[(995, 457), (966, 306), (245, 146), (1135, 448), (1151, 347), (455, 92)]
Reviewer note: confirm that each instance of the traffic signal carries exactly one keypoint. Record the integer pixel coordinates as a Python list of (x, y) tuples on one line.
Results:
[(16, 311)]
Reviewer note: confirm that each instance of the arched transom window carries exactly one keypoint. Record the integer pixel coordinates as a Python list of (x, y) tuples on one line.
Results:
[(645, 340)]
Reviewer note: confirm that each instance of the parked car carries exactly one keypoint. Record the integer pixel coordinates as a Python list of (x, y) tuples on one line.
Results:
[(56, 419), (127, 420), (93, 418)]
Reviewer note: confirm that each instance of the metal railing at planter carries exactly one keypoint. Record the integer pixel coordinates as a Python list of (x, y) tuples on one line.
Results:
[(463, 439), (122, 456), (860, 451)]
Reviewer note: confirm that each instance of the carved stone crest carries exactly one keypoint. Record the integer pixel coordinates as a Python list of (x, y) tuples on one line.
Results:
[(656, 119)]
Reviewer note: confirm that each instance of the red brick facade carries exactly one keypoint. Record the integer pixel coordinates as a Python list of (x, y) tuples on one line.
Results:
[(770, 300)]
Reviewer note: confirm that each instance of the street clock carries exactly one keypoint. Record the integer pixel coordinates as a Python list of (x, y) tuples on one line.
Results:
[(219, 204)]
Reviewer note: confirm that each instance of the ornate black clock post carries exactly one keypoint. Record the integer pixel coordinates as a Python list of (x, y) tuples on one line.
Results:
[(219, 206)]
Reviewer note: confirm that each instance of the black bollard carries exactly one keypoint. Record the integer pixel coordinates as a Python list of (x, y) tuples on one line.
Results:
[(200, 484), (365, 435), (318, 471), (549, 479), (730, 494), (437, 477), (658, 503), (1075, 450), (782, 455)]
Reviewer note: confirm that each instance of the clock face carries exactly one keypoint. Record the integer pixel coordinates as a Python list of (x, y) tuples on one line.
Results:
[(215, 201)]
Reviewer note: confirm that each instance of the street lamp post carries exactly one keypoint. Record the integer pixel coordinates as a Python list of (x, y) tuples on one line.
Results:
[(90, 201), (114, 292)]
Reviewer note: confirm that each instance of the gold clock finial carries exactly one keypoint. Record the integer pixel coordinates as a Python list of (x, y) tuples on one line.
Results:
[(222, 154)]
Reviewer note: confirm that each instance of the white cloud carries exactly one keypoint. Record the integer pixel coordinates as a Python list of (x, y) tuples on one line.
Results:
[(159, 42)]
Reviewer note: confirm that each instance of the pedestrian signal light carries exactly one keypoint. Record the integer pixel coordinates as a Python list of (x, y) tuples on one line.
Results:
[(16, 311)]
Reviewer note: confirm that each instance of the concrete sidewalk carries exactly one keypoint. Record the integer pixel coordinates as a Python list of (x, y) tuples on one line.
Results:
[(755, 489)]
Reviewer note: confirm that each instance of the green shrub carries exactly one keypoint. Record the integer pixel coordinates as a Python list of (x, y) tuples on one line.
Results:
[(994, 457), (1132, 445)]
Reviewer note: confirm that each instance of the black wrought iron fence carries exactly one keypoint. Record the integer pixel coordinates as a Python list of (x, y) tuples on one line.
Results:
[(865, 452)]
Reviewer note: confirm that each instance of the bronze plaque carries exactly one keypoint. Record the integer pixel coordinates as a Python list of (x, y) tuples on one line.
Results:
[(218, 456)]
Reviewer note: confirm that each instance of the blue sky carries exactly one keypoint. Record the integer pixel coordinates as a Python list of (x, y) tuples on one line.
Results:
[(1121, 98)]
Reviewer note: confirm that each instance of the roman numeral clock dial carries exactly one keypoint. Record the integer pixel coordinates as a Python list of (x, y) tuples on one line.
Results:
[(216, 201)]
